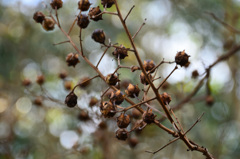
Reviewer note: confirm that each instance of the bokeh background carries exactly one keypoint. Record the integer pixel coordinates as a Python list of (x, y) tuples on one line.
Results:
[(53, 131)]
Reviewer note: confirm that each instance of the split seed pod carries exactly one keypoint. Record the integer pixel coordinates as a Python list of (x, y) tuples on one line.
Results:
[(99, 36), (94, 13), (40, 79), (83, 21), (71, 100), (84, 82), (117, 97), (132, 90), (121, 134), (93, 101), (112, 79), (72, 59), (120, 52), (107, 3), (149, 65), (38, 17), (148, 117), (56, 4), (181, 58), (26, 82), (166, 98), (144, 79), (107, 109), (83, 5), (123, 120), (48, 24)]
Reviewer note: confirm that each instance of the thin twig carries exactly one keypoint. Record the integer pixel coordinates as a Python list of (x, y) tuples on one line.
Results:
[(139, 29), (102, 57), (67, 41), (167, 77), (198, 120), (128, 13)]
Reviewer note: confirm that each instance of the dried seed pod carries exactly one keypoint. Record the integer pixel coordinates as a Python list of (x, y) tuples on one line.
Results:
[(133, 142), (107, 109), (148, 117), (209, 100), (144, 79), (93, 101), (84, 5), (94, 13), (149, 65), (107, 3), (71, 100), (26, 82), (124, 83), (181, 58), (134, 68), (62, 75), (83, 115), (166, 85), (121, 134), (83, 21), (112, 79), (38, 17), (72, 59), (99, 36), (102, 125), (123, 120), (38, 101), (68, 85), (120, 52), (84, 82), (166, 98), (48, 24), (56, 4), (195, 74), (117, 97), (136, 113), (40, 79), (132, 90)]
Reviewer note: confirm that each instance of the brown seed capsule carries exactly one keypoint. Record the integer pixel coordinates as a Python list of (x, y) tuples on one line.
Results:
[(38, 101), (56, 4), (26, 82), (181, 58), (134, 68), (38, 17), (144, 79), (133, 142), (149, 65), (102, 125), (48, 24), (166, 85), (117, 97), (84, 82), (83, 115), (112, 79), (40, 79), (120, 52), (99, 36), (71, 100), (132, 91), (94, 13), (209, 100), (124, 83), (83, 21), (72, 59), (136, 113), (148, 117), (166, 98), (107, 109), (195, 74), (121, 134), (68, 85), (107, 3), (93, 101), (62, 75), (123, 120), (84, 5)]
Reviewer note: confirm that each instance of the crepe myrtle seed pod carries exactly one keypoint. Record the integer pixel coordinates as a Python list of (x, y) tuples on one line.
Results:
[(166, 98), (94, 13), (148, 117), (82, 21), (68, 85), (136, 114), (40, 79), (123, 120), (83, 116), (38, 17), (132, 91), (62, 75), (84, 82), (117, 97), (71, 100), (112, 79), (181, 58), (195, 74), (134, 68), (209, 100), (98, 36), (121, 134), (56, 4), (38, 101), (83, 5), (93, 101), (149, 65), (102, 125), (107, 3), (133, 142), (107, 109), (143, 79), (48, 24), (72, 59), (120, 52), (26, 82)]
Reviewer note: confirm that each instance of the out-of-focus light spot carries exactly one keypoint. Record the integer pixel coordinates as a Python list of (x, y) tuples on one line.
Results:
[(52, 65), (23, 128), (221, 74), (4, 130), (24, 105), (31, 71), (3, 104), (68, 139)]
